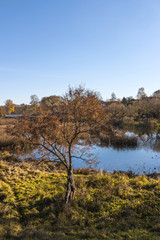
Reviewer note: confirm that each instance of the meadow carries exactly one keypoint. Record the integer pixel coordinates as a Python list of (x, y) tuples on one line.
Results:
[(106, 206)]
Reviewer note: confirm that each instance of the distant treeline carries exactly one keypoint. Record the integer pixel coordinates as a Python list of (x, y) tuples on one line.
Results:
[(127, 110)]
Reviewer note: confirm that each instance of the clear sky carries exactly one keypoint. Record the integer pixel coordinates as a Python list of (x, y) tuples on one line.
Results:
[(105, 45)]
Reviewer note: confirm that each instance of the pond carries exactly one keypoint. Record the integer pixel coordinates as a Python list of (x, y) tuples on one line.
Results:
[(139, 154), (142, 156), (137, 160)]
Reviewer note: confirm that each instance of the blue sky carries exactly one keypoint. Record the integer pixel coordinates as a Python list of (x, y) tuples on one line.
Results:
[(105, 45)]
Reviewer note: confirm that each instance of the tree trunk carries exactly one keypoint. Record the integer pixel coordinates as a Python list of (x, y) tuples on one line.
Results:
[(70, 188)]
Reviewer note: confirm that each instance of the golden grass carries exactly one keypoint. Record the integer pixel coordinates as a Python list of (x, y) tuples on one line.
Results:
[(5, 139)]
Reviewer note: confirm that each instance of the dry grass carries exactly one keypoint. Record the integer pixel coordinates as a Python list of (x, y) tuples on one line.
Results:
[(5, 139), (6, 121)]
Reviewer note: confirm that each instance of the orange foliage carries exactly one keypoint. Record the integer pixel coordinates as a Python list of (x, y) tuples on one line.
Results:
[(56, 134)]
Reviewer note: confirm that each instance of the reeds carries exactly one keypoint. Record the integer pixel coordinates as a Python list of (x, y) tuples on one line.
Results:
[(6, 140), (120, 142)]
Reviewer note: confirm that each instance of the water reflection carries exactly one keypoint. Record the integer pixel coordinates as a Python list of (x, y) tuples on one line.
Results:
[(132, 141), (130, 152)]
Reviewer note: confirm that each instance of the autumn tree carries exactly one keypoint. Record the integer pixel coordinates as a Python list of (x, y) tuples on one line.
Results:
[(116, 113), (51, 102), (22, 109), (57, 133), (2, 111), (154, 107), (9, 106)]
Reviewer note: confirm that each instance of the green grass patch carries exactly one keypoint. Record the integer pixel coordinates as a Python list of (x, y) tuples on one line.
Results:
[(106, 206)]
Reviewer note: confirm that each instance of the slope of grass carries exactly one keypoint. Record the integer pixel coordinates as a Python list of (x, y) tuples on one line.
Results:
[(106, 206)]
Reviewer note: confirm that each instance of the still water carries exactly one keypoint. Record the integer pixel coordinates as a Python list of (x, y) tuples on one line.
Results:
[(139, 154), (142, 157), (137, 160)]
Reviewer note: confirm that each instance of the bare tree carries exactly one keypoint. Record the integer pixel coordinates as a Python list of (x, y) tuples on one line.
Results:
[(34, 102), (141, 93), (113, 97)]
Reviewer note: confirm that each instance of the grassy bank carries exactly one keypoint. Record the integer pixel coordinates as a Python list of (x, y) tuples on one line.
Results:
[(106, 206)]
